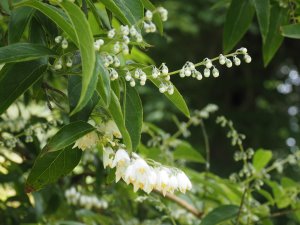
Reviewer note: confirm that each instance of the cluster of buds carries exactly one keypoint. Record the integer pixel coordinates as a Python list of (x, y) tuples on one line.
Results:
[(61, 40), (141, 175), (76, 198), (148, 25), (138, 74), (111, 61), (98, 43)]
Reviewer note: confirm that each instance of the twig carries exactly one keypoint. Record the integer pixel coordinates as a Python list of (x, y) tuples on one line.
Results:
[(207, 147), (241, 206), (280, 213), (183, 204)]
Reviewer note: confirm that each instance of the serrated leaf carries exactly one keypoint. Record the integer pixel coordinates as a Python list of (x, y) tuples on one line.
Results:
[(16, 78), (133, 114), (261, 158), (128, 11), (74, 87), (262, 8), (54, 14), (67, 135), (18, 21), (291, 31), (176, 98), (49, 167), (185, 151), (116, 112), (85, 42), (103, 85), (278, 17), (238, 19), (23, 52), (220, 214)]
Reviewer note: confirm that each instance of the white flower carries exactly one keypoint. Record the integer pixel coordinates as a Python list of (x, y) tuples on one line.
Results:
[(121, 158), (107, 159), (64, 44), (184, 182), (124, 30), (58, 39), (164, 69), (132, 31), (87, 141), (222, 59), (173, 184), (111, 33), (163, 181), (110, 129), (247, 58)]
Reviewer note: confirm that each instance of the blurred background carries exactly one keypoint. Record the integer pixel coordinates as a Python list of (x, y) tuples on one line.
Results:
[(263, 102)]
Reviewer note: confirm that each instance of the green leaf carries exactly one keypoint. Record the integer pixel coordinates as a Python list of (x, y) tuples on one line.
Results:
[(103, 85), (16, 78), (117, 115), (54, 14), (220, 214), (185, 151), (273, 41), (133, 114), (127, 11), (238, 19), (291, 31), (261, 158), (74, 85), (23, 52), (67, 135), (18, 21), (176, 98), (85, 42), (156, 17), (49, 167), (95, 13), (262, 8)]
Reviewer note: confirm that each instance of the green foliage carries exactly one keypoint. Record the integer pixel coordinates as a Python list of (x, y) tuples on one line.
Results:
[(72, 78)]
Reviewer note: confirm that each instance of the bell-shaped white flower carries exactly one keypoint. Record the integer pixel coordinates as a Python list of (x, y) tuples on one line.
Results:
[(87, 141), (184, 182), (173, 184), (121, 158), (108, 155), (163, 180)]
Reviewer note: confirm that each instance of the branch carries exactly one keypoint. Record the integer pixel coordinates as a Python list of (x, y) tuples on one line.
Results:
[(183, 204)]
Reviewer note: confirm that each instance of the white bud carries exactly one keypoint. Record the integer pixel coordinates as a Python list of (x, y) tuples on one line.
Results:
[(187, 72), (191, 65), (124, 30), (58, 39), (125, 49), (208, 63), (58, 65), (198, 75), (181, 73), (69, 62), (162, 88), (132, 31), (139, 38), (111, 33), (228, 63), (215, 72), (164, 69), (116, 62), (152, 27), (236, 61), (126, 39), (64, 44), (163, 13), (170, 90), (148, 15), (142, 82), (206, 72), (243, 50), (167, 78), (222, 59), (132, 83), (128, 76), (155, 72), (117, 47), (247, 58)]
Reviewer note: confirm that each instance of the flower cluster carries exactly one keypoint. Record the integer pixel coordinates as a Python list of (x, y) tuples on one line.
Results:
[(87, 141), (148, 25), (76, 198), (141, 175)]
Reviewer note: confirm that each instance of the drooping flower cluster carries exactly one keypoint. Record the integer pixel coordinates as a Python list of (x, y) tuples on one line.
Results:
[(189, 68), (87, 141), (136, 171), (74, 197)]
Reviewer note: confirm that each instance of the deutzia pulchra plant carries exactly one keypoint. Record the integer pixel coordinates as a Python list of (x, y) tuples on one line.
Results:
[(71, 76)]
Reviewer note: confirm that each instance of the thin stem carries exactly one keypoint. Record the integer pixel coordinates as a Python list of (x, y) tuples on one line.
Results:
[(183, 204), (207, 147), (241, 205)]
